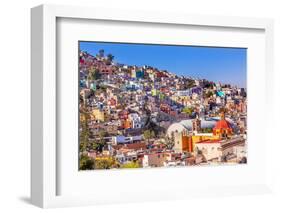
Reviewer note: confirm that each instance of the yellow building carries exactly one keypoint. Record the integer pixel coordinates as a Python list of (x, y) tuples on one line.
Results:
[(98, 115), (82, 117), (185, 142), (204, 136)]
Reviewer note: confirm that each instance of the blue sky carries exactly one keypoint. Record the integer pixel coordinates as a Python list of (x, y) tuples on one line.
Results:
[(225, 65)]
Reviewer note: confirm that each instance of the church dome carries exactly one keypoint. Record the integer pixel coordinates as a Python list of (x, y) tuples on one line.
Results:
[(222, 124), (176, 127), (204, 123)]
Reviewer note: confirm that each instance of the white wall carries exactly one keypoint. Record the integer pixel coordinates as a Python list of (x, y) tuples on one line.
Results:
[(15, 51)]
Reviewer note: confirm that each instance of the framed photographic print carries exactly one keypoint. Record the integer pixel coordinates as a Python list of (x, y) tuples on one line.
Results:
[(142, 116), (153, 106)]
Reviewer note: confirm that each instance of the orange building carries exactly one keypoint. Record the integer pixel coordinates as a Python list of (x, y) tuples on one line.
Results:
[(127, 124), (185, 142)]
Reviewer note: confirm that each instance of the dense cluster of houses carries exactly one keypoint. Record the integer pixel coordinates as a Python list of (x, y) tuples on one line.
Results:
[(133, 116)]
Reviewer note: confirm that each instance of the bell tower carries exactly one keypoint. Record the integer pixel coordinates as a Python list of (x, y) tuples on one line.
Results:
[(222, 113), (196, 125)]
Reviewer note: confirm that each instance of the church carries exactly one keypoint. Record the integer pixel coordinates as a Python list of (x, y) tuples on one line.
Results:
[(186, 140)]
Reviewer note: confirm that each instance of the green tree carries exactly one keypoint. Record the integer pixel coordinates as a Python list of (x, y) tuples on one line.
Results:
[(152, 134), (209, 94), (86, 163), (110, 57), (93, 75), (85, 132), (96, 145), (101, 53), (190, 83), (99, 142), (130, 165), (169, 141), (187, 110), (148, 134), (104, 163), (207, 130), (102, 135)]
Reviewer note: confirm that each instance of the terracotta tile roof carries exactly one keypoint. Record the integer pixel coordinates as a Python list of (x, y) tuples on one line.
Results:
[(134, 146)]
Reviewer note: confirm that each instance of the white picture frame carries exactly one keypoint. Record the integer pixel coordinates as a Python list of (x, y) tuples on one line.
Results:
[(44, 154)]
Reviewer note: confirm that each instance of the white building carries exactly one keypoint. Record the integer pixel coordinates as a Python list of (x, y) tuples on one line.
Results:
[(218, 100), (219, 149), (121, 139), (136, 120), (184, 93)]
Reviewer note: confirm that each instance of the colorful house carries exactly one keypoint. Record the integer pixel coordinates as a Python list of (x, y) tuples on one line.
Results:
[(93, 86), (155, 159), (220, 94), (98, 115), (127, 124), (154, 92), (137, 74), (112, 102), (123, 114), (135, 120)]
